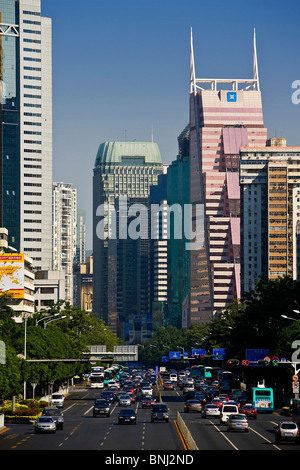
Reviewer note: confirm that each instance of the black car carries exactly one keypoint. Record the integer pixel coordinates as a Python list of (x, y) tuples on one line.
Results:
[(101, 407), (56, 415), (127, 416), (160, 412), (108, 396)]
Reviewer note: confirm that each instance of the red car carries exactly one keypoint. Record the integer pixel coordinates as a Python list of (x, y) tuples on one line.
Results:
[(217, 401), (147, 401), (224, 395), (249, 411)]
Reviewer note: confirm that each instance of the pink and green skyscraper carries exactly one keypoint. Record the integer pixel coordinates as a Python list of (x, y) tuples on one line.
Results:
[(225, 114)]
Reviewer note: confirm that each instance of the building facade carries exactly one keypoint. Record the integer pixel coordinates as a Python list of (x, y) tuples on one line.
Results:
[(178, 256), (64, 233), (26, 128), (225, 114), (270, 212), (123, 175)]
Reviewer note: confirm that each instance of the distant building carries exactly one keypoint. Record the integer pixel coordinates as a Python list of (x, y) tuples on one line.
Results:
[(123, 175), (270, 211), (49, 288), (83, 285), (64, 233)]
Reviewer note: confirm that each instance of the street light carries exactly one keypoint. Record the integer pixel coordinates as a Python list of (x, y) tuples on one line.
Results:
[(289, 318), (54, 319)]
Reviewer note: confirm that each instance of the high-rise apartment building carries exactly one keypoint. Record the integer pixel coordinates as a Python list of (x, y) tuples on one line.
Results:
[(65, 233), (270, 211), (123, 175), (26, 129), (225, 114)]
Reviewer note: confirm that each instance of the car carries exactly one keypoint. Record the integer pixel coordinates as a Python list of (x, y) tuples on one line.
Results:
[(124, 400), (160, 412), (56, 415), (237, 421), (249, 410), (45, 424), (192, 405), (147, 401), (173, 377), (224, 396), (287, 431), (101, 407), (132, 397), (233, 402), (217, 401), (108, 395), (168, 385), (211, 411), (146, 390), (187, 387), (57, 399), (127, 416), (226, 411), (201, 396)]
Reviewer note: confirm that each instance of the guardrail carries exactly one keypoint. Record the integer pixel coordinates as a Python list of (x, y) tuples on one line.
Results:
[(186, 433)]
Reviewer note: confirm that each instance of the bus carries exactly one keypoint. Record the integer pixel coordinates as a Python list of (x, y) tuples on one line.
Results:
[(263, 399), (208, 372), (96, 381), (97, 371)]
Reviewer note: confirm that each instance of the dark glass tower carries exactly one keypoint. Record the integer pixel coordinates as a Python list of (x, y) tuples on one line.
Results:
[(121, 281)]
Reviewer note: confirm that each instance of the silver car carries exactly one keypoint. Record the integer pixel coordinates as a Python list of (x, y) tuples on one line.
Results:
[(237, 422), (45, 424), (211, 411), (124, 400), (287, 431)]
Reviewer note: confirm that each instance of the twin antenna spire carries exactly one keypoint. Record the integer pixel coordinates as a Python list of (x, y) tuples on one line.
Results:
[(254, 84)]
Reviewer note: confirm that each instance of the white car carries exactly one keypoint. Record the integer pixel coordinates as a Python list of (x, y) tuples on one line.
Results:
[(146, 391), (57, 399), (173, 377), (226, 411), (211, 411)]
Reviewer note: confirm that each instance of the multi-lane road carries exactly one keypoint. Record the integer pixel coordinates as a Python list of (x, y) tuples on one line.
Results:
[(84, 432)]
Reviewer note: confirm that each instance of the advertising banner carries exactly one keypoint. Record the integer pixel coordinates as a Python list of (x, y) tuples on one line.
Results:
[(12, 274)]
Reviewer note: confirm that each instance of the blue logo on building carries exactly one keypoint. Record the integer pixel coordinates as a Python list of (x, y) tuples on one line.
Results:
[(231, 96)]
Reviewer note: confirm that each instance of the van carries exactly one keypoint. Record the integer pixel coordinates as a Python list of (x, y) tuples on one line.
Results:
[(57, 400), (226, 411)]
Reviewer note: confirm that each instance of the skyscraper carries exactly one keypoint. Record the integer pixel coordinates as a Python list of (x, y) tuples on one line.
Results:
[(123, 175), (225, 114), (26, 129)]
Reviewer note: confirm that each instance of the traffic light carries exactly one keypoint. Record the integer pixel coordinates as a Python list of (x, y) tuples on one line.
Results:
[(233, 362), (263, 362)]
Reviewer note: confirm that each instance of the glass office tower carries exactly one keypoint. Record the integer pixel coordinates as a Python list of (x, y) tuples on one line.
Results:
[(123, 175)]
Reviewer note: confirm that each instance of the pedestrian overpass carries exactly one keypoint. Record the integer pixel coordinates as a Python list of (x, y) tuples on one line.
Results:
[(119, 354)]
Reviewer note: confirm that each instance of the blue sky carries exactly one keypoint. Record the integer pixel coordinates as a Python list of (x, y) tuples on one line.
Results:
[(121, 69)]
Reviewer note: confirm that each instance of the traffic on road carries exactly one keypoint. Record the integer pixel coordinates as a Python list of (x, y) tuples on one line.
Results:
[(139, 410)]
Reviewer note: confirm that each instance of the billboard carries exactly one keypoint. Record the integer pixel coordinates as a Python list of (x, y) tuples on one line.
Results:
[(12, 274)]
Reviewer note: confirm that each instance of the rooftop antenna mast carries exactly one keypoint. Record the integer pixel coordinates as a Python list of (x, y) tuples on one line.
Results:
[(192, 68), (255, 66)]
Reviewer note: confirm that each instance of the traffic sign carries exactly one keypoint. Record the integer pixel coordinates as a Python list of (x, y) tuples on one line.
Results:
[(295, 385), (175, 355), (295, 378)]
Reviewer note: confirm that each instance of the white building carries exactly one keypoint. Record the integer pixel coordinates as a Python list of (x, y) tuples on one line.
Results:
[(64, 233), (35, 35)]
